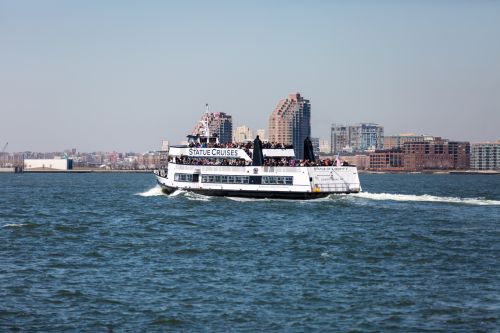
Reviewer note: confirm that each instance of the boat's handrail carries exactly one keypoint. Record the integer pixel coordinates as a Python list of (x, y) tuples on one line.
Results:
[(229, 168), (344, 187)]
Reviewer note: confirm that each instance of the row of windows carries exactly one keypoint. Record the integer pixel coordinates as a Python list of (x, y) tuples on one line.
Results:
[(221, 179), (280, 180), (225, 179), (183, 177)]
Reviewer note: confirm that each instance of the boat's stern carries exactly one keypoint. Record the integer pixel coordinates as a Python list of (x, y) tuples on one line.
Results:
[(330, 179)]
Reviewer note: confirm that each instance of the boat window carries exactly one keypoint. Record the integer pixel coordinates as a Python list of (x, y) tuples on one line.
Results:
[(225, 179), (277, 180), (183, 177)]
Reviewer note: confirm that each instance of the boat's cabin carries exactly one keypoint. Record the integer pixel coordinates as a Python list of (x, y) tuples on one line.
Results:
[(228, 154)]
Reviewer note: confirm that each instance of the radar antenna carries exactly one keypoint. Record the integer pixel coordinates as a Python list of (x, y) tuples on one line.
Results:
[(207, 129)]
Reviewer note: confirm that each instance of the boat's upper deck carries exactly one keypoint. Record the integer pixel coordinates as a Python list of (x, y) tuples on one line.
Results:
[(228, 153), (210, 152)]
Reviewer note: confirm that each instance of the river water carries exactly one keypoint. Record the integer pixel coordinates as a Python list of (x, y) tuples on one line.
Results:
[(110, 252)]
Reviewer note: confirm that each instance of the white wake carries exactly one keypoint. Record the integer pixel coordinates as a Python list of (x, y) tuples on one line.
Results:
[(153, 192), (426, 198), (196, 196), (156, 191)]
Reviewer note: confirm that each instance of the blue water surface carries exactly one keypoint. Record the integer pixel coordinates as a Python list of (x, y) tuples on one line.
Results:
[(109, 252)]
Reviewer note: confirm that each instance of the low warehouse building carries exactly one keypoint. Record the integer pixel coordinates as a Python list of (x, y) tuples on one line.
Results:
[(48, 164)]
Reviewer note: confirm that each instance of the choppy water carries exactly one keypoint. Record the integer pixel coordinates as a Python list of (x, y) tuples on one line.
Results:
[(109, 252)]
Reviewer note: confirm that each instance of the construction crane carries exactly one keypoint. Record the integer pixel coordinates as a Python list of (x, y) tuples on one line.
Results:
[(5, 147)]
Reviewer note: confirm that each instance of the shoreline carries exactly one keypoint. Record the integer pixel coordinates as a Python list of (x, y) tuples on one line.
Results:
[(436, 172), (82, 171), (360, 171)]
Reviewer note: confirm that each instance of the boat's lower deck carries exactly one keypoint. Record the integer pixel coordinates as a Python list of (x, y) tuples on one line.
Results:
[(253, 194)]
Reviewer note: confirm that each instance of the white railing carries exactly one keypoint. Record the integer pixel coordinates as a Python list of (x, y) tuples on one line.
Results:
[(228, 168), (341, 188)]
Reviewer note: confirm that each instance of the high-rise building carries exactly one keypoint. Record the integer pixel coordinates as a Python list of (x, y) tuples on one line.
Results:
[(165, 145), (262, 134), (315, 144), (356, 138), (242, 134), (339, 138), (485, 156), (324, 146), (290, 122), (219, 123)]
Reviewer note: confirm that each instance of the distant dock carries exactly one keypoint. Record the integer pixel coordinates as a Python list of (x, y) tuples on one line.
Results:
[(436, 172), (87, 171)]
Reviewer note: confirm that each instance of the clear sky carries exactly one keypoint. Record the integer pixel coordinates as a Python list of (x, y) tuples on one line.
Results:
[(122, 75)]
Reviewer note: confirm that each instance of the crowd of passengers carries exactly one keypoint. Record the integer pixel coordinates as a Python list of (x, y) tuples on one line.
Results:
[(246, 145), (267, 162)]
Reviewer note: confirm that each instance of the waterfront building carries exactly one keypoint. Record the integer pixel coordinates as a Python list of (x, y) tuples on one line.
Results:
[(397, 141), (219, 123), (362, 162), (339, 139), (356, 138), (387, 160), (290, 122), (460, 151), (427, 155), (315, 144), (48, 164), (149, 160), (242, 134), (485, 155)]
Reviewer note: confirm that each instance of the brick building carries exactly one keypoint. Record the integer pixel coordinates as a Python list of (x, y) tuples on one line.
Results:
[(427, 155), (435, 154), (397, 141), (387, 160), (460, 150)]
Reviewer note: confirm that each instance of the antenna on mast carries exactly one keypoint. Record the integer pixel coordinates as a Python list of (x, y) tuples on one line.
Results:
[(207, 129)]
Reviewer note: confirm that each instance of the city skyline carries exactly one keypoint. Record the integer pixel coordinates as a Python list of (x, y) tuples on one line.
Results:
[(103, 76)]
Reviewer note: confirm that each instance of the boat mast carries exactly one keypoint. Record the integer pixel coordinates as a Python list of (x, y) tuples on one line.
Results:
[(207, 129)]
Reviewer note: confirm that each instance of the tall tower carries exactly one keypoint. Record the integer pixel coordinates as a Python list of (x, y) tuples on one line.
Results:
[(290, 123), (219, 123)]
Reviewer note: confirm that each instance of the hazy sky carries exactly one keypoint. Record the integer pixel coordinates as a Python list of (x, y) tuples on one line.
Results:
[(122, 75)]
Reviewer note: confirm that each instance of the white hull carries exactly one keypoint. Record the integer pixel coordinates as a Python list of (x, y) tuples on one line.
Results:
[(260, 181)]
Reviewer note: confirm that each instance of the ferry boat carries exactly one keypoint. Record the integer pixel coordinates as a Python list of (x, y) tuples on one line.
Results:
[(254, 171)]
